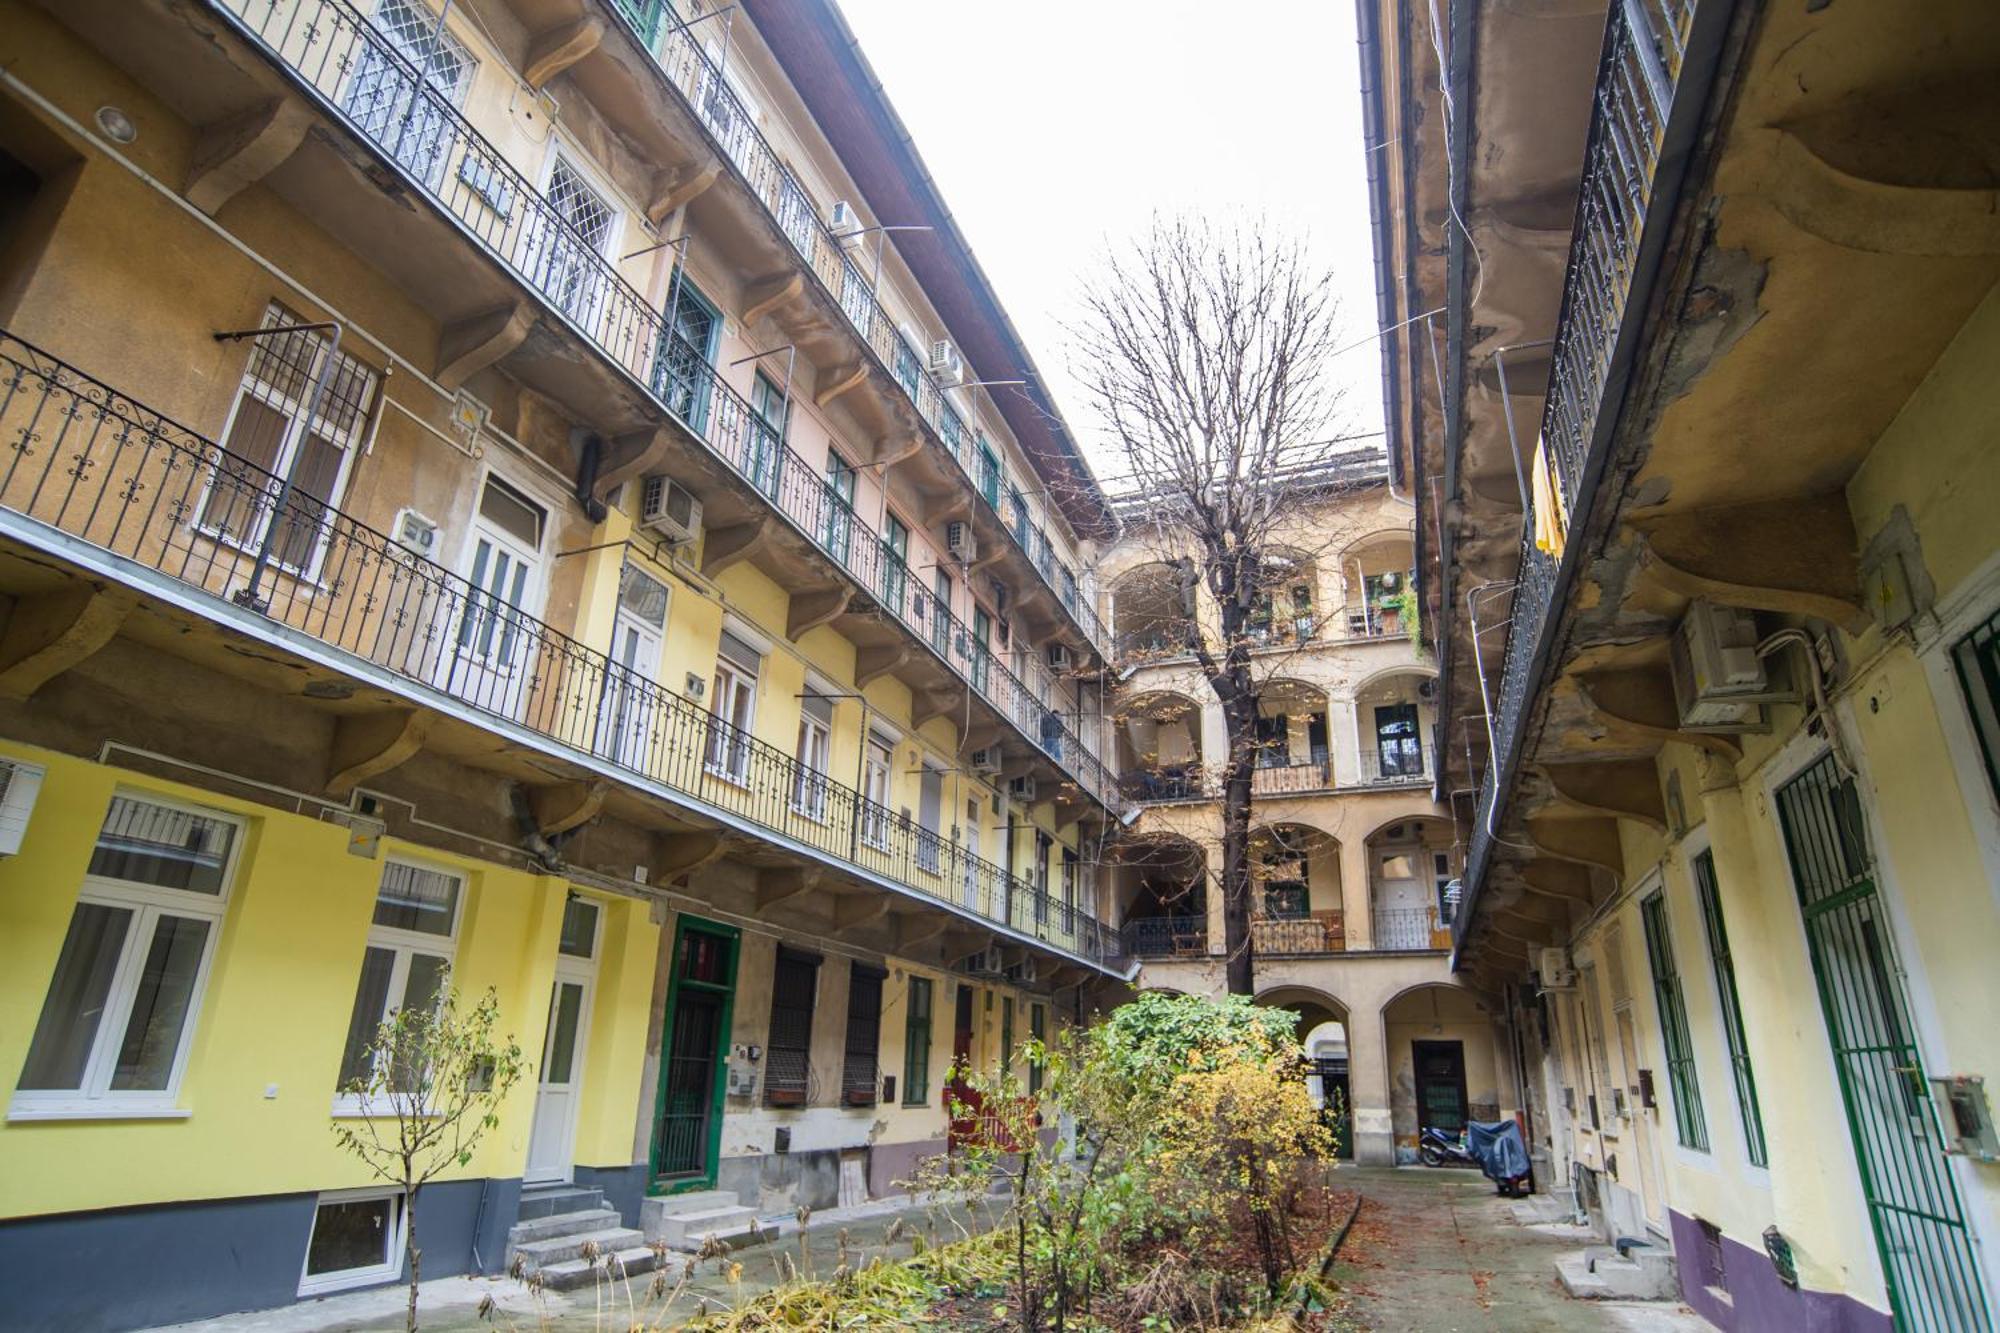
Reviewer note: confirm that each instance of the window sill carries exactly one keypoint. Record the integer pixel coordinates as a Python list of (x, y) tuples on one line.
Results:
[(94, 1111), (721, 774), (352, 1108)]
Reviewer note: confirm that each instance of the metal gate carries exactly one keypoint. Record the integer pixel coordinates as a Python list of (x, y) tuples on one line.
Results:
[(1913, 1204)]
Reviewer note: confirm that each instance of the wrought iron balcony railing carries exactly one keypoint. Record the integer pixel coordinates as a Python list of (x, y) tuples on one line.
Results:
[(1165, 937), (1613, 245), (83, 462), (1394, 766), (848, 283), (1291, 777), (1401, 929), (361, 76)]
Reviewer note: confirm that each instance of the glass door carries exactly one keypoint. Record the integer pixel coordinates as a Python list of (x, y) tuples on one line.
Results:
[(491, 656), (838, 533), (683, 367), (1397, 741), (628, 714), (895, 563), (559, 1083), (688, 1125)]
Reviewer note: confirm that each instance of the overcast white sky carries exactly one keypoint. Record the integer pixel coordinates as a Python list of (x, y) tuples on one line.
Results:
[(1051, 127)]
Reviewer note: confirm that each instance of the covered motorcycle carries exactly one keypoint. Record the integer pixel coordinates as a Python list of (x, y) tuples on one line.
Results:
[(1500, 1150)]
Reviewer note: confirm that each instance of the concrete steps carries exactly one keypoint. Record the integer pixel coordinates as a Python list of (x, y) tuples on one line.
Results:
[(1600, 1273), (567, 1238), (686, 1221)]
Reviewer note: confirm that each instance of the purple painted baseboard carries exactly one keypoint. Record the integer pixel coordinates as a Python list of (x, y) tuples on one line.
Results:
[(1758, 1302)]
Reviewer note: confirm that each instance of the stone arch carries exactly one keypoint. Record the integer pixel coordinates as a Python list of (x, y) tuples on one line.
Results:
[(1412, 861), (1148, 618), (1160, 882), (1294, 746), (1296, 889), (1160, 748), (1444, 1060)]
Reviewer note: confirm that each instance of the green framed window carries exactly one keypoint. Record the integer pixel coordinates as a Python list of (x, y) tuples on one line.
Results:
[(1977, 657), (1688, 1121), (1732, 1008), (917, 1044), (1038, 1028)]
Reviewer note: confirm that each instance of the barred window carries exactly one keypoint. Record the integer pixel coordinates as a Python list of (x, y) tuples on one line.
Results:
[(788, 1049)]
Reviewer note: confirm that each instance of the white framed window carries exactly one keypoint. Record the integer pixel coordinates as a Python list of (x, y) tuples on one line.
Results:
[(809, 786), (875, 791), (356, 1241), (411, 938), (734, 708), (113, 1035), (571, 240), (267, 438)]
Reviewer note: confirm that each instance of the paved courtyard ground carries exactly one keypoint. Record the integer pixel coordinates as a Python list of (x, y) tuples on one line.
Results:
[(1437, 1251)]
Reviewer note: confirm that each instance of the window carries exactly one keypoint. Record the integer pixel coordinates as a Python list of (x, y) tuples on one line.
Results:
[(770, 411), (566, 244), (1006, 1036), (683, 365), (839, 528), (1688, 1120), (860, 1076), (268, 438), (1038, 1028), (1070, 864), (895, 562), (982, 657), (909, 370), (1732, 1009), (1274, 741), (410, 941), (357, 1239), (917, 1044), (1977, 657), (1044, 845), (407, 79), (809, 785), (734, 707), (788, 1051), (875, 793), (113, 1033), (989, 473), (1397, 741), (941, 612)]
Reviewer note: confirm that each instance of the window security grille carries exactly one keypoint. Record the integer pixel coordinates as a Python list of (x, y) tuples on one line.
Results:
[(1689, 1122), (404, 88), (859, 1075), (788, 1051)]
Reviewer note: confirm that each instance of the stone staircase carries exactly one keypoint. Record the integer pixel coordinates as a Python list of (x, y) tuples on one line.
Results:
[(685, 1222), (1637, 1272), (565, 1237)]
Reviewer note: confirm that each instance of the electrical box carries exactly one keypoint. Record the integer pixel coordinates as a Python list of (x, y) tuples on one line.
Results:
[(1719, 681), (1968, 1116), (742, 1079), (1554, 970), (416, 534), (20, 784)]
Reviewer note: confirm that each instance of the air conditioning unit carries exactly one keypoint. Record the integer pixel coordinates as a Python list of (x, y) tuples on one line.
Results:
[(946, 363), (986, 762), (843, 219), (1059, 657), (958, 540), (1552, 967), (670, 509), (416, 534), (1719, 680), (1024, 972), (1021, 788), (20, 784)]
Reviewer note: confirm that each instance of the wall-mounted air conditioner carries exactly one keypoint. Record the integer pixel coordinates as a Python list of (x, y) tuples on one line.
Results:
[(20, 784), (986, 761), (416, 534), (843, 219), (1024, 972), (958, 540), (1059, 657), (946, 364), (1719, 680), (669, 509), (1552, 967), (1021, 788)]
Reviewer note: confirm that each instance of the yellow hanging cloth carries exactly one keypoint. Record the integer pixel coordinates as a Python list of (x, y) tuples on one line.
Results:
[(1550, 528)]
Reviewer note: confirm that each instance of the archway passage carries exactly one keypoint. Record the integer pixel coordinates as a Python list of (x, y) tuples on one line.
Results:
[(1159, 747), (1296, 906), (1443, 1071), (1292, 741), (1321, 1025), (1149, 617), (1162, 885), (1389, 717)]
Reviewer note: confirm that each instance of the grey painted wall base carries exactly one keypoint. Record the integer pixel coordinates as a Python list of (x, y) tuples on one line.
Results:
[(127, 1268), (623, 1186), (891, 1163), (1751, 1298), (779, 1182)]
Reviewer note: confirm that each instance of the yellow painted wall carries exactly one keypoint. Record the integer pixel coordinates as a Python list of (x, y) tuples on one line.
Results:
[(276, 1005)]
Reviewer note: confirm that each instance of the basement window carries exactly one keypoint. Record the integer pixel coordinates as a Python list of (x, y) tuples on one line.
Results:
[(356, 1241)]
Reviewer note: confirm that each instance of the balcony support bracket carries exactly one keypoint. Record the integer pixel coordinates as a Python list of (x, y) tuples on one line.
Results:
[(1789, 557), (631, 455), (678, 854), (871, 664), (916, 929), (672, 190), (724, 547), (240, 150), (888, 453), (1640, 703), (556, 50), (772, 295), (859, 910), (929, 705), (562, 806), (1626, 789), (781, 884), (48, 634), (840, 381), (809, 610), (367, 745), (1591, 841), (471, 345)]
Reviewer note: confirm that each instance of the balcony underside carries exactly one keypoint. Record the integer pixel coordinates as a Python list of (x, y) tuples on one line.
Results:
[(159, 677), (193, 60)]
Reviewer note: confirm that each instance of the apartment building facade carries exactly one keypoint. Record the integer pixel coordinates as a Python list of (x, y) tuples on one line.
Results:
[(538, 489), (1353, 860), (1705, 498)]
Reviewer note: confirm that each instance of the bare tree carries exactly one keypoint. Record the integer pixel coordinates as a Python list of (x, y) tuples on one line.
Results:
[(1205, 350)]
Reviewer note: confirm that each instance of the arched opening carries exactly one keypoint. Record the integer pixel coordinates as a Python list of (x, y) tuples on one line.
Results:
[(1411, 865), (1439, 1040), (1296, 905), (1159, 748), (1377, 572), (1285, 608), (1292, 746), (1162, 886), (1148, 617), (1393, 718), (1321, 1025)]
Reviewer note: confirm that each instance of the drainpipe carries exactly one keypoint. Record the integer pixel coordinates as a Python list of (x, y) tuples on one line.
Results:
[(533, 842), (591, 458)]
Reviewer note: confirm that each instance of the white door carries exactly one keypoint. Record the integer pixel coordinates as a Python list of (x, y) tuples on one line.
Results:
[(491, 655), (552, 1141), (628, 712)]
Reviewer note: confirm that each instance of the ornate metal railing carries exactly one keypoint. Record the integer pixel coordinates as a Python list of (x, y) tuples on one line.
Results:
[(79, 458), (848, 282), (1394, 767), (1291, 778), (365, 79), (1639, 73), (1165, 937), (1400, 929)]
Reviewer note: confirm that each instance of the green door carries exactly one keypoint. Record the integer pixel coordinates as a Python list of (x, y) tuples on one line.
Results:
[(687, 1126), (1913, 1203)]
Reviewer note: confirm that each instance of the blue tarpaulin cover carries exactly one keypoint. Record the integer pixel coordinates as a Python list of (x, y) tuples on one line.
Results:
[(1498, 1147)]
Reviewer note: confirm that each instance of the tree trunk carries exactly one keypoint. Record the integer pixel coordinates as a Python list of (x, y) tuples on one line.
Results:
[(411, 1253), (1236, 798)]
